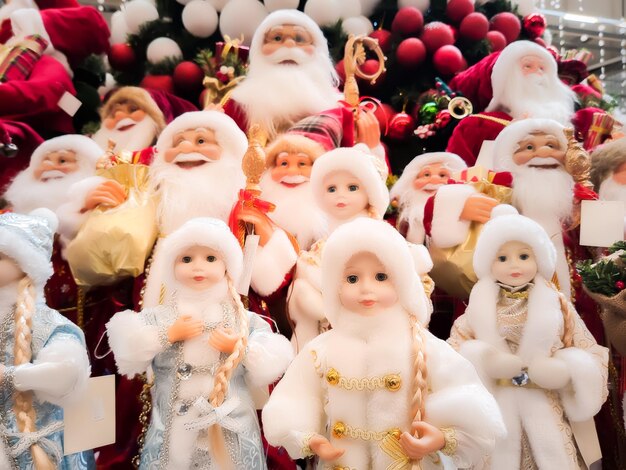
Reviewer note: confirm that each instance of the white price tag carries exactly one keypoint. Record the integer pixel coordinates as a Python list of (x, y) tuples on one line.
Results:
[(69, 103), (601, 223)]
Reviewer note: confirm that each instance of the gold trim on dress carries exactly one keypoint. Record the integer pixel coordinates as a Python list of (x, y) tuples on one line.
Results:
[(391, 382), (341, 430)]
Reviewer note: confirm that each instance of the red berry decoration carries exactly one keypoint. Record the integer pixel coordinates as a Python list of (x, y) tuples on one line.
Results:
[(384, 39), (437, 34), (474, 26), (188, 78), (456, 10), (508, 24), (122, 57), (497, 40), (620, 285), (401, 126), (369, 67), (158, 82), (411, 53), (409, 21), (534, 25), (448, 60)]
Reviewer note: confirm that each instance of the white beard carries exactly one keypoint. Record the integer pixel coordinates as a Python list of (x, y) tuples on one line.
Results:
[(138, 137), (538, 98), (611, 190), (26, 194), (276, 96), (412, 204), (206, 191), (296, 210)]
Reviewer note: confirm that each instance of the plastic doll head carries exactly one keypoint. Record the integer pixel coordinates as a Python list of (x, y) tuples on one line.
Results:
[(10, 272), (344, 197), (199, 267), (366, 287), (515, 264), (540, 150)]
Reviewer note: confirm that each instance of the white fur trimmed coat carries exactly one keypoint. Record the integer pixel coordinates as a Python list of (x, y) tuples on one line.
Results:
[(575, 394), (357, 347)]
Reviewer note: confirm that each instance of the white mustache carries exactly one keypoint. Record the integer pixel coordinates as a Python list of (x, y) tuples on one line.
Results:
[(432, 187), (294, 179), (289, 53), (537, 80), (191, 157), (52, 174), (542, 161), (125, 122)]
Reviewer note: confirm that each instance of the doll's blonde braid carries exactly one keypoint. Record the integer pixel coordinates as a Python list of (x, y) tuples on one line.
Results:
[(372, 213), (568, 322), (420, 380), (23, 401), (222, 382)]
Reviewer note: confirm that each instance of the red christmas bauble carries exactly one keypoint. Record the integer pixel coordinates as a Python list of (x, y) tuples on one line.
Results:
[(158, 82), (497, 40), (341, 70), (508, 24), (384, 39), (401, 126), (456, 10), (474, 26), (437, 34), (384, 113), (370, 66), (122, 57), (534, 25), (619, 285), (448, 60), (409, 21), (188, 78), (411, 53)]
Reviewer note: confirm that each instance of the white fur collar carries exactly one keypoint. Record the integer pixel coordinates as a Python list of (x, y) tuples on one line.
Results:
[(385, 322)]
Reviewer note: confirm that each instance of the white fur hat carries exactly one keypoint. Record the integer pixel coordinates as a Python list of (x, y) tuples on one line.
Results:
[(28, 240), (507, 225), (507, 62), (201, 231), (451, 160), (232, 139), (292, 17), (380, 238), (358, 163), (505, 144), (87, 151)]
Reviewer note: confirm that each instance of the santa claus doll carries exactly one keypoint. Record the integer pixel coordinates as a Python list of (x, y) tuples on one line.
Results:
[(520, 82), (131, 119), (608, 171), (420, 180)]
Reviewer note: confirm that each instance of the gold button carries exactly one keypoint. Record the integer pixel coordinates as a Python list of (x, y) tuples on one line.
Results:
[(332, 376), (339, 430), (393, 382)]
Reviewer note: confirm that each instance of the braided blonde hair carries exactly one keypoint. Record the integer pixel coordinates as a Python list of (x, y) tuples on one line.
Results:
[(568, 322), (372, 213), (419, 385), (25, 415), (222, 382)]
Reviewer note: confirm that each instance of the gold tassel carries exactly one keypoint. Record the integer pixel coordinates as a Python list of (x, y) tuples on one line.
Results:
[(391, 446)]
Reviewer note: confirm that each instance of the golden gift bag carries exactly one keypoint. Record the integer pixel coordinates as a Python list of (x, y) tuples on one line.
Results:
[(453, 269), (115, 243)]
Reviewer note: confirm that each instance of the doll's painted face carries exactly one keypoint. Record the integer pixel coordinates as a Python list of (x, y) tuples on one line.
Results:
[(366, 287), (124, 115), (431, 177), (199, 268), (515, 264), (619, 175), (288, 44), (193, 148), (56, 165), (540, 150), (10, 272), (344, 195), (292, 169)]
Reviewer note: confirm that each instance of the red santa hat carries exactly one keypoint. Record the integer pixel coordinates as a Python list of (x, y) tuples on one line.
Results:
[(87, 151), (230, 138), (357, 163), (507, 141), (450, 160), (475, 84), (381, 239)]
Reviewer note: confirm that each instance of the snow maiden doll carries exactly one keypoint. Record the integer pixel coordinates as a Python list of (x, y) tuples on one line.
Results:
[(346, 185), (207, 354), (378, 391), (44, 361), (530, 347)]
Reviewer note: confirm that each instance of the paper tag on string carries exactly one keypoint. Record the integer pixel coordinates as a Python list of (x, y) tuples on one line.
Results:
[(601, 223), (90, 422), (249, 252), (69, 103), (485, 156)]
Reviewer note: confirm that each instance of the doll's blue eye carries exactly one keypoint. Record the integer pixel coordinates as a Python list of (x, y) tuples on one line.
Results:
[(502, 259), (332, 189), (524, 257), (381, 277), (352, 279), (211, 258), (353, 187), (186, 259)]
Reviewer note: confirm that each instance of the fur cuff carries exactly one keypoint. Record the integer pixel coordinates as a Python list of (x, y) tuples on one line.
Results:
[(588, 391), (272, 263), (447, 227), (267, 359), (70, 217), (476, 351), (549, 372), (502, 365)]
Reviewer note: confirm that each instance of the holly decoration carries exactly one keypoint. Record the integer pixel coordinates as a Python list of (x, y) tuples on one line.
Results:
[(608, 275)]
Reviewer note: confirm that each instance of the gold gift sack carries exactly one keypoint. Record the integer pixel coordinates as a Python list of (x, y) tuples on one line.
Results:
[(453, 270), (115, 243)]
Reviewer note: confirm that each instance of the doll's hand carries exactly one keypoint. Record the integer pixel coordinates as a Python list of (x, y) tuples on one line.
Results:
[(224, 340), (502, 365), (368, 129), (478, 208), (322, 447), (425, 440), (184, 328), (549, 372), (263, 226), (110, 193)]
